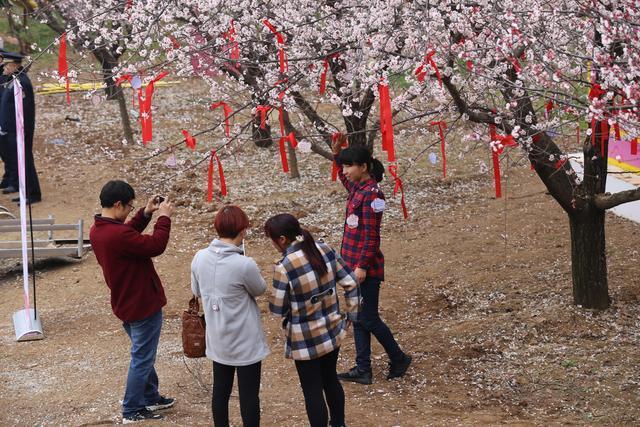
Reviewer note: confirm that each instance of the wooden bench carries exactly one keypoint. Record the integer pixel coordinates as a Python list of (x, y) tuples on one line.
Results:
[(44, 248)]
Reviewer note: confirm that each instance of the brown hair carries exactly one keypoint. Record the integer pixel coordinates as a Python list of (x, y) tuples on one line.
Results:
[(230, 221)]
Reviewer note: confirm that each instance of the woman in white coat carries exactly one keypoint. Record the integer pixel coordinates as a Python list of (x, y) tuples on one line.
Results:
[(228, 283)]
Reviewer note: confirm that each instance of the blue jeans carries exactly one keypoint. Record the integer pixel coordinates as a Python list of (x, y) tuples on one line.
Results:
[(369, 322), (142, 380)]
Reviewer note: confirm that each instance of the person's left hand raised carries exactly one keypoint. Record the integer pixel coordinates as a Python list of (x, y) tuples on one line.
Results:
[(152, 205)]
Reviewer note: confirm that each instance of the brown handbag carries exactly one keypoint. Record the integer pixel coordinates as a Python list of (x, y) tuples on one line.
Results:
[(193, 331)]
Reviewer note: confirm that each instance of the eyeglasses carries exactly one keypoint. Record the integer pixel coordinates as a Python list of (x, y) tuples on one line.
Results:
[(131, 206)]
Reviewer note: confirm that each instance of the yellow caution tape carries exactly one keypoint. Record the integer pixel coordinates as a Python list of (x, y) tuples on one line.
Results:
[(53, 88)]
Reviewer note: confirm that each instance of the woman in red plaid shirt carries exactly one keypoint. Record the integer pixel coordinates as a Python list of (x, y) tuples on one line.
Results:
[(305, 295), (360, 174)]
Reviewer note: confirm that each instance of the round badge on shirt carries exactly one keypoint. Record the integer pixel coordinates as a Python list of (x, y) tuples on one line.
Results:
[(352, 221), (378, 205)]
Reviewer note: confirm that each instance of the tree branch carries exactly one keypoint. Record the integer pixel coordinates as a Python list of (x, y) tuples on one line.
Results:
[(607, 200)]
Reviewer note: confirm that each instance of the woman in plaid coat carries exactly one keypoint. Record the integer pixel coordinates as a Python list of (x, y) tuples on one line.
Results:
[(360, 174), (305, 295)]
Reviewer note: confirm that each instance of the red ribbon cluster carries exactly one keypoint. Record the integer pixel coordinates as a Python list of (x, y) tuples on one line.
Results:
[(227, 112), (442, 126), (223, 183), (420, 71), (284, 66), (63, 66)]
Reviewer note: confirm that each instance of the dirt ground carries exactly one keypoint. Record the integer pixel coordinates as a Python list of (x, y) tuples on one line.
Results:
[(478, 289)]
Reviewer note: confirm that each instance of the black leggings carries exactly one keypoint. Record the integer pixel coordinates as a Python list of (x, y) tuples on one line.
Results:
[(248, 389), (316, 376)]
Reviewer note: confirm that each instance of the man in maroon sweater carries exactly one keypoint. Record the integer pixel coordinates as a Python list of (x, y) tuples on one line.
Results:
[(137, 295)]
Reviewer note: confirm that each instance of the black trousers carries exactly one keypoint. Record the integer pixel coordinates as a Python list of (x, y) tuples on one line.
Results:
[(248, 388), (9, 150), (319, 381)]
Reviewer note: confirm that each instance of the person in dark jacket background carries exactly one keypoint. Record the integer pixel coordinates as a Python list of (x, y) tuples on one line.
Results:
[(137, 295), (8, 138), (4, 183)]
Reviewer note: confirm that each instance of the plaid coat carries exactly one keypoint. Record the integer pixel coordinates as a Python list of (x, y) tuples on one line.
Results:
[(309, 305), (361, 238)]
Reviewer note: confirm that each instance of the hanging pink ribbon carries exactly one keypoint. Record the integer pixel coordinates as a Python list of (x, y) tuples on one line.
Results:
[(280, 39), (393, 170), (263, 110), (145, 108), (227, 113), (496, 150), (223, 183), (63, 66), (441, 128), (386, 122), (189, 140)]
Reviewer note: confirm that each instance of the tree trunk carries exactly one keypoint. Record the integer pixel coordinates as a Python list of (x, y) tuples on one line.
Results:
[(124, 117), (294, 172), (589, 259), (261, 137)]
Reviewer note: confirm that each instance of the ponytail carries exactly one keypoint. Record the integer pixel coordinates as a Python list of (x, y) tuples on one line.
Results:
[(376, 169), (313, 254), (288, 226)]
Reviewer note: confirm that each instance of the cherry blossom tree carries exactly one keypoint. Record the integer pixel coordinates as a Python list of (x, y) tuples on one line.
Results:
[(526, 75)]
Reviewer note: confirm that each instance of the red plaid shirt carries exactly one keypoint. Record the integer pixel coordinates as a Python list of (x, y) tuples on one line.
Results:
[(361, 239)]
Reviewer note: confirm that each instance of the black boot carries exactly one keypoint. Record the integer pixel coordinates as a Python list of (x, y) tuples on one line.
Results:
[(357, 375)]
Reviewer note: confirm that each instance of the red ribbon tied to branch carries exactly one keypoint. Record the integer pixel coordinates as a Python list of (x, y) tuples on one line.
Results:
[(498, 144), (263, 110), (280, 39), (234, 53), (634, 146), (283, 154), (63, 66), (145, 108), (189, 140), (393, 170), (442, 126), (421, 73), (323, 76), (337, 136), (227, 113), (386, 122), (223, 183)]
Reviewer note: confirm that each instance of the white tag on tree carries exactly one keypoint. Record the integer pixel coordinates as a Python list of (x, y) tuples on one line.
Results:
[(304, 146), (136, 82), (433, 158), (171, 161)]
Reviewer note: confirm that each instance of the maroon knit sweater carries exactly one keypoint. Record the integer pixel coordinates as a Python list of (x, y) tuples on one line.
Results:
[(124, 254)]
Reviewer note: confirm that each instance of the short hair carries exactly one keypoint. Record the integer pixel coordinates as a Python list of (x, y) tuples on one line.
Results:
[(230, 221), (114, 191)]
